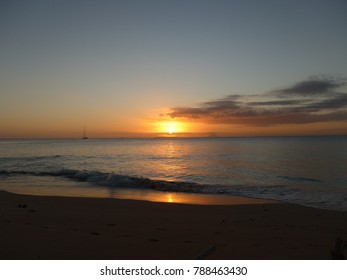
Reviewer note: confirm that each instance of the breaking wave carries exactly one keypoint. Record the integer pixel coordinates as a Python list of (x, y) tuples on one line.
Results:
[(116, 180), (318, 198)]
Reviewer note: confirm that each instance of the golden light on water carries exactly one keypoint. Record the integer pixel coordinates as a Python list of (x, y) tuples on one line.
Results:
[(169, 198), (187, 198)]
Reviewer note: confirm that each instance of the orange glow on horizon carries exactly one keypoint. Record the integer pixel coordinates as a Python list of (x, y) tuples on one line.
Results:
[(170, 127)]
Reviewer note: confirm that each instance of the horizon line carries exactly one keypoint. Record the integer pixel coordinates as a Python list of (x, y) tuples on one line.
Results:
[(174, 137)]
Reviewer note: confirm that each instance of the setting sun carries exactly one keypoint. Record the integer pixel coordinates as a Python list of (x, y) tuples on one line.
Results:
[(170, 127)]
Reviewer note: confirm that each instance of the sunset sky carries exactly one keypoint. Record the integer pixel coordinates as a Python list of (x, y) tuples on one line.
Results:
[(162, 68)]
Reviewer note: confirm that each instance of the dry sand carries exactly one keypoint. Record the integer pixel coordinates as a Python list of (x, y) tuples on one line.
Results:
[(93, 228)]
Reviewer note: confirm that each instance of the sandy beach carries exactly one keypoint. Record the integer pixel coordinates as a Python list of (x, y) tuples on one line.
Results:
[(38, 227)]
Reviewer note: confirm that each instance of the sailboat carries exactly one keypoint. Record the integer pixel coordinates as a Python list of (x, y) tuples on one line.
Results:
[(84, 136)]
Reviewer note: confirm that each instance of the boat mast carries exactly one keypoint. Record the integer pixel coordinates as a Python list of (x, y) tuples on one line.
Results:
[(84, 136)]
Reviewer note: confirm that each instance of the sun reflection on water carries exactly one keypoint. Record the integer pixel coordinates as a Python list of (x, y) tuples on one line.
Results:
[(185, 198), (169, 198)]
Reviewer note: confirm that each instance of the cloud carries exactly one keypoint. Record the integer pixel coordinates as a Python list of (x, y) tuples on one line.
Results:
[(313, 86), (275, 103), (309, 101), (338, 102)]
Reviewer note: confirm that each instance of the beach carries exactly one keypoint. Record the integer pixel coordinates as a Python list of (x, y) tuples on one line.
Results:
[(47, 227)]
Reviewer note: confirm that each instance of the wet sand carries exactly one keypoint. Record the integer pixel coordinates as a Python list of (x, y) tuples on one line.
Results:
[(40, 227)]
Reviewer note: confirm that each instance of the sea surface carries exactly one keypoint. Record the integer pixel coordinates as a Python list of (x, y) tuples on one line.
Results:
[(310, 171)]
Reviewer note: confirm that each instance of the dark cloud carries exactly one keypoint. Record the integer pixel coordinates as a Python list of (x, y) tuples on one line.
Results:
[(312, 87), (302, 104), (275, 103), (338, 102)]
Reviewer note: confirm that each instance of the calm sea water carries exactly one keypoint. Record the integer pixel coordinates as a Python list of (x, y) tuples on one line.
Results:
[(310, 171)]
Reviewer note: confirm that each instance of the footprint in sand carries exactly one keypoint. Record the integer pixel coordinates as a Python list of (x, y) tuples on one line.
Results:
[(153, 240)]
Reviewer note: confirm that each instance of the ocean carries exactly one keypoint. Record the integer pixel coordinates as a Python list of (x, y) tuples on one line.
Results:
[(310, 171)]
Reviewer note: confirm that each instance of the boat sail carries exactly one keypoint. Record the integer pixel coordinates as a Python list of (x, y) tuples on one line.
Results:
[(84, 136)]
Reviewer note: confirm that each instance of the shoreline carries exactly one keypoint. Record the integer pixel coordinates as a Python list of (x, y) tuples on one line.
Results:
[(147, 195), (47, 227)]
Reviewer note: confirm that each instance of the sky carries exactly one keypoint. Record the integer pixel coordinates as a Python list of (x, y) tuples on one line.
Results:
[(144, 68)]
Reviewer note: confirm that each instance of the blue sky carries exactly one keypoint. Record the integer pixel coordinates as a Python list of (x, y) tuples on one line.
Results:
[(125, 61)]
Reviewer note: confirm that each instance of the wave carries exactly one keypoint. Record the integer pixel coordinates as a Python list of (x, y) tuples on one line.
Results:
[(30, 158), (300, 179), (326, 199), (125, 181), (115, 180)]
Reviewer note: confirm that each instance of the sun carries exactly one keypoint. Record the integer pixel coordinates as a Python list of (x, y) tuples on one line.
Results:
[(170, 130), (172, 127)]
